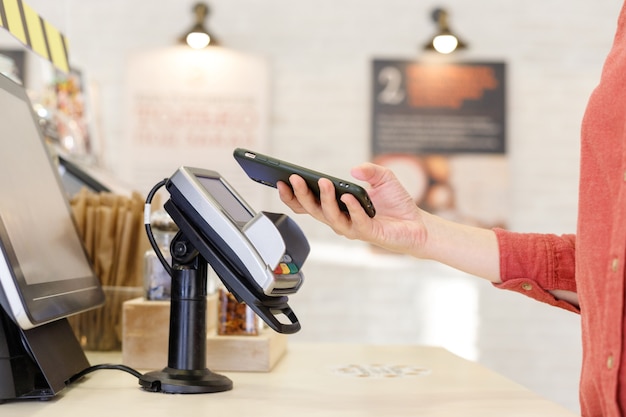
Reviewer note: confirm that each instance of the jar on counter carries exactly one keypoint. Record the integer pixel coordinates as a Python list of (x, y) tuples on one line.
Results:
[(235, 318), (157, 282)]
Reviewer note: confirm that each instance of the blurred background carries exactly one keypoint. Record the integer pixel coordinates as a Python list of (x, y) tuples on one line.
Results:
[(314, 62)]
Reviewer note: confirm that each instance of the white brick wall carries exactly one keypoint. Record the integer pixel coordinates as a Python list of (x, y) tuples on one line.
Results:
[(320, 53)]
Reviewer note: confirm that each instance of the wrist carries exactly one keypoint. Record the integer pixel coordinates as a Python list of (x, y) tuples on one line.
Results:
[(467, 248)]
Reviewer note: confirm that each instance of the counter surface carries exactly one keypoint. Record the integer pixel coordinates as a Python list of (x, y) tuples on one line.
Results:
[(313, 380)]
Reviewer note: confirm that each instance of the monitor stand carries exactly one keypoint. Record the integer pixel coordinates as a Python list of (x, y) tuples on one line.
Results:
[(37, 363)]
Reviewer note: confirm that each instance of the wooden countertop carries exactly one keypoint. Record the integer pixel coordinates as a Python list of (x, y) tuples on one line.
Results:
[(313, 380)]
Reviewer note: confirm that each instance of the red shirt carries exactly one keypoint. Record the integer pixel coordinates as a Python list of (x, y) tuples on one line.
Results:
[(592, 261)]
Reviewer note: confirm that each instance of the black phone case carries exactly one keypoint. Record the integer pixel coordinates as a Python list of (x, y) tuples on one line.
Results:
[(267, 170)]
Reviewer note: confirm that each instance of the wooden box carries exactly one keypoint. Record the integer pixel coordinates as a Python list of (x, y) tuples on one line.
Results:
[(245, 353), (145, 333)]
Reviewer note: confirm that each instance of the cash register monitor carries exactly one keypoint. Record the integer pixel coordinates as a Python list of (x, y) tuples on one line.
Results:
[(45, 273)]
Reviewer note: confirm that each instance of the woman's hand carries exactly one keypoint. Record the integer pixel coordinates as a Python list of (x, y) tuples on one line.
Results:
[(397, 226)]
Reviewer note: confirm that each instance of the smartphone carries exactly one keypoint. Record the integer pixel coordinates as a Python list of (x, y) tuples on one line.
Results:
[(267, 170)]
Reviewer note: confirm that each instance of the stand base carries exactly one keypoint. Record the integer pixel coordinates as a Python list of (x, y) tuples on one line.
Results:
[(36, 363), (178, 381)]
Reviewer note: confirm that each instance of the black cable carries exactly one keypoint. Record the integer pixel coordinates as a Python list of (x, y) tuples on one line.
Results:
[(167, 267), (151, 239), (93, 368)]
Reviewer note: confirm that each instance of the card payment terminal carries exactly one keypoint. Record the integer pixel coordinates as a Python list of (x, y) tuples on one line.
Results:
[(258, 257), (266, 249)]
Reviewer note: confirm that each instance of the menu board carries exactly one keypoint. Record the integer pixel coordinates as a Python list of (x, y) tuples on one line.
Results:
[(438, 107), (190, 107), (441, 127)]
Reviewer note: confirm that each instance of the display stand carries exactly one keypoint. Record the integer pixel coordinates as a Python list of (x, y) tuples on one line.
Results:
[(37, 363), (186, 371)]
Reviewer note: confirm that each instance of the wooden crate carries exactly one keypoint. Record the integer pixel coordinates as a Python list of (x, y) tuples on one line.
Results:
[(145, 334), (245, 353)]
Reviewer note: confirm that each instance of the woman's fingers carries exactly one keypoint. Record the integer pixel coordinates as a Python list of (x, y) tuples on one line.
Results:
[(308, 201), (288, 197)]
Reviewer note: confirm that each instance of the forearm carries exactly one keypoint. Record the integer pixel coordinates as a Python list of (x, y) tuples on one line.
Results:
[(473, 250), (467, 248)]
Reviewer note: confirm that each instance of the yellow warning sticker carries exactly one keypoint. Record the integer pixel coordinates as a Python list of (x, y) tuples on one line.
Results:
[(34, 32)]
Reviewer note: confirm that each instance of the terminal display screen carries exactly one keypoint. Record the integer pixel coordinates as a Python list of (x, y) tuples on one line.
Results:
[(232, 205)]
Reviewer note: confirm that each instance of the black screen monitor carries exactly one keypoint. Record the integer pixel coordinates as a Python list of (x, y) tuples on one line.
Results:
[(45, 273), (75, 177)]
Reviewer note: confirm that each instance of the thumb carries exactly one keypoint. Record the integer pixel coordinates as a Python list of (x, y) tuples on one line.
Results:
[(371, 173)]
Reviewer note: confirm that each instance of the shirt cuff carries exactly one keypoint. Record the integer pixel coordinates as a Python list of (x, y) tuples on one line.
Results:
[(533, 290), (533, 264)]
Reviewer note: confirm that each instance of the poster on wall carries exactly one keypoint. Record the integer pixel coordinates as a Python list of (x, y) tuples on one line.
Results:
[(193, 107), (442, 128)]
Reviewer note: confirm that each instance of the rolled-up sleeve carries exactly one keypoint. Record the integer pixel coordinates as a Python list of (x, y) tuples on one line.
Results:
[(534, 264)]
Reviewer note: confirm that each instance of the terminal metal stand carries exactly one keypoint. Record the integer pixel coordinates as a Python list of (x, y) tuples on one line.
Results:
[(186, 371)]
